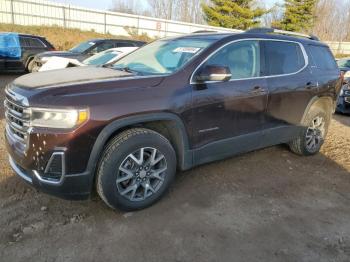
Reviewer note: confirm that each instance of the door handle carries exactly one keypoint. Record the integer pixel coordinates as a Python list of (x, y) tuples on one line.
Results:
[(257, 90), (310, 85)]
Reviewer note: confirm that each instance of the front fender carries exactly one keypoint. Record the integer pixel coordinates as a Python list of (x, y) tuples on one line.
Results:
[(112, 128)]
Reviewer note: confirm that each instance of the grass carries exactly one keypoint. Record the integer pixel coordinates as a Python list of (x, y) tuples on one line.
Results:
[(64, 39)]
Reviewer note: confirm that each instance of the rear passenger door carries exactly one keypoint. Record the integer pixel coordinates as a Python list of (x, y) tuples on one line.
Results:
[(291, 86)]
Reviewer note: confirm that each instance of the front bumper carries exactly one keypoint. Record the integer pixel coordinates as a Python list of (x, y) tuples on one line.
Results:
[(343, 105), (70, 187), (56, 170)]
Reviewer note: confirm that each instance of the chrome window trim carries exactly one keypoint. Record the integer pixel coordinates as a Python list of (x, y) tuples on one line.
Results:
[(306, 60)]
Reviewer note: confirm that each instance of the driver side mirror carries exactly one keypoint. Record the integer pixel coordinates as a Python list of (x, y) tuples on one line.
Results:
[(213, 73)]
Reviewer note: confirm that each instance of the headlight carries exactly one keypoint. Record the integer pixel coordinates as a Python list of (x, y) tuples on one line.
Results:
[(347, 74), (58, 118)]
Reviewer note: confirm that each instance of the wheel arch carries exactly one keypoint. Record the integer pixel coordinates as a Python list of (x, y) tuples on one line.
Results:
[(167, 124), (326, 103), (28, 60)]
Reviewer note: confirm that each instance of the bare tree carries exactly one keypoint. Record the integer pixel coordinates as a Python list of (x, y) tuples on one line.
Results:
[(161, 8), (124, 6), (332, 20), (181, 10)]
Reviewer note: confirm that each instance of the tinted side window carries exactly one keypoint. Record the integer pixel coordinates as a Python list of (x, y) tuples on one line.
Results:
[(124, 44), (322, 57), (103, 46), (242, 58), (24, 41), (33, 42), (283, 57)]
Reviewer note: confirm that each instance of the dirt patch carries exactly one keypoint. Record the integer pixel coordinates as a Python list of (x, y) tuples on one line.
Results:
[(269, 205)]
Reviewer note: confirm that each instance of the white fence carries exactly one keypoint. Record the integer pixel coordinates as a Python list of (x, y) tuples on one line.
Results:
[(342, 48), (42, 12)]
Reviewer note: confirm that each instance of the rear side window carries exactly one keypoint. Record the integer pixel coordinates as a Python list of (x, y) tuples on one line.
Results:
[(103, 46), (31, 42), (24, 41), (322, 57), (121, 44), (283, 58), (34, 42)]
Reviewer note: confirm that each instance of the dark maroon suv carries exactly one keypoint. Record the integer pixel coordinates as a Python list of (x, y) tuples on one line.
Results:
[(176, 103)]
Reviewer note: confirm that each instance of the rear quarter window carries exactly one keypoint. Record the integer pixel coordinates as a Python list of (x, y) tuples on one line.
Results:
[(283, 58), (322, 57)]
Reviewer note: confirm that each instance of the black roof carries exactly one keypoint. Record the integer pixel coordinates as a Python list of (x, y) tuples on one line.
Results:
[(221, 36), (25, 35)]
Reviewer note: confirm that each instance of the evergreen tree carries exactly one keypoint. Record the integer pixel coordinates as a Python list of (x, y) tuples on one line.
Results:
[(237, 14), (298, 16)]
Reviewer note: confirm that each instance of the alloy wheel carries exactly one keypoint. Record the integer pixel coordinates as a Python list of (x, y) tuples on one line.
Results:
[(141, 174), (315, 134)]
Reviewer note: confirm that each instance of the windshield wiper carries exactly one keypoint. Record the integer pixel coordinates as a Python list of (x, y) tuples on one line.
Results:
[(128, 70)]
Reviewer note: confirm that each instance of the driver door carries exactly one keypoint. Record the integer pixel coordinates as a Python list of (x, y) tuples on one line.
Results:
[(228, 116)]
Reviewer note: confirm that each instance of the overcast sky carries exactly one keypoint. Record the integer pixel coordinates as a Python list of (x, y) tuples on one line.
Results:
[(105, 4)]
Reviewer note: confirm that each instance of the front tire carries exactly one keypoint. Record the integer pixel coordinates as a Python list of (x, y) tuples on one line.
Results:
[(312, 135), (136, 169)]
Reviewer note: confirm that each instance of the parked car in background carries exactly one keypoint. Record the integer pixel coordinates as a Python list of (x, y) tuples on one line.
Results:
[(86, 49), (105, 57), (174, 104), (343, 103), (344, 64), (17, 51)]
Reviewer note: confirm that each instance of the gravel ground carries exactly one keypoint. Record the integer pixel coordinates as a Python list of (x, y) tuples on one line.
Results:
[(269, 205)]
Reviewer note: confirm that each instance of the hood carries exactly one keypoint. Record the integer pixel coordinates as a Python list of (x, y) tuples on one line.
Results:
[(344, 69), (58, 53), (68, 76)]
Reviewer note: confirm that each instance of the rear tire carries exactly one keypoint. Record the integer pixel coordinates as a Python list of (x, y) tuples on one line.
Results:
[(30, 66), (136, 169), (313, 133)]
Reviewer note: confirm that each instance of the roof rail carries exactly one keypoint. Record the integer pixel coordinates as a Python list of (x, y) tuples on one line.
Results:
[(266, 30)]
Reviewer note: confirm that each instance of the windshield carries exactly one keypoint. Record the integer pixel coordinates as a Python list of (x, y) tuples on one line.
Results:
[(343, 63), (163, 56), (102, 58), (82, 47)]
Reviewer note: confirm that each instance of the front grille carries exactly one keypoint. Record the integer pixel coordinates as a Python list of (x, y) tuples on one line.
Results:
[(17, 120)]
